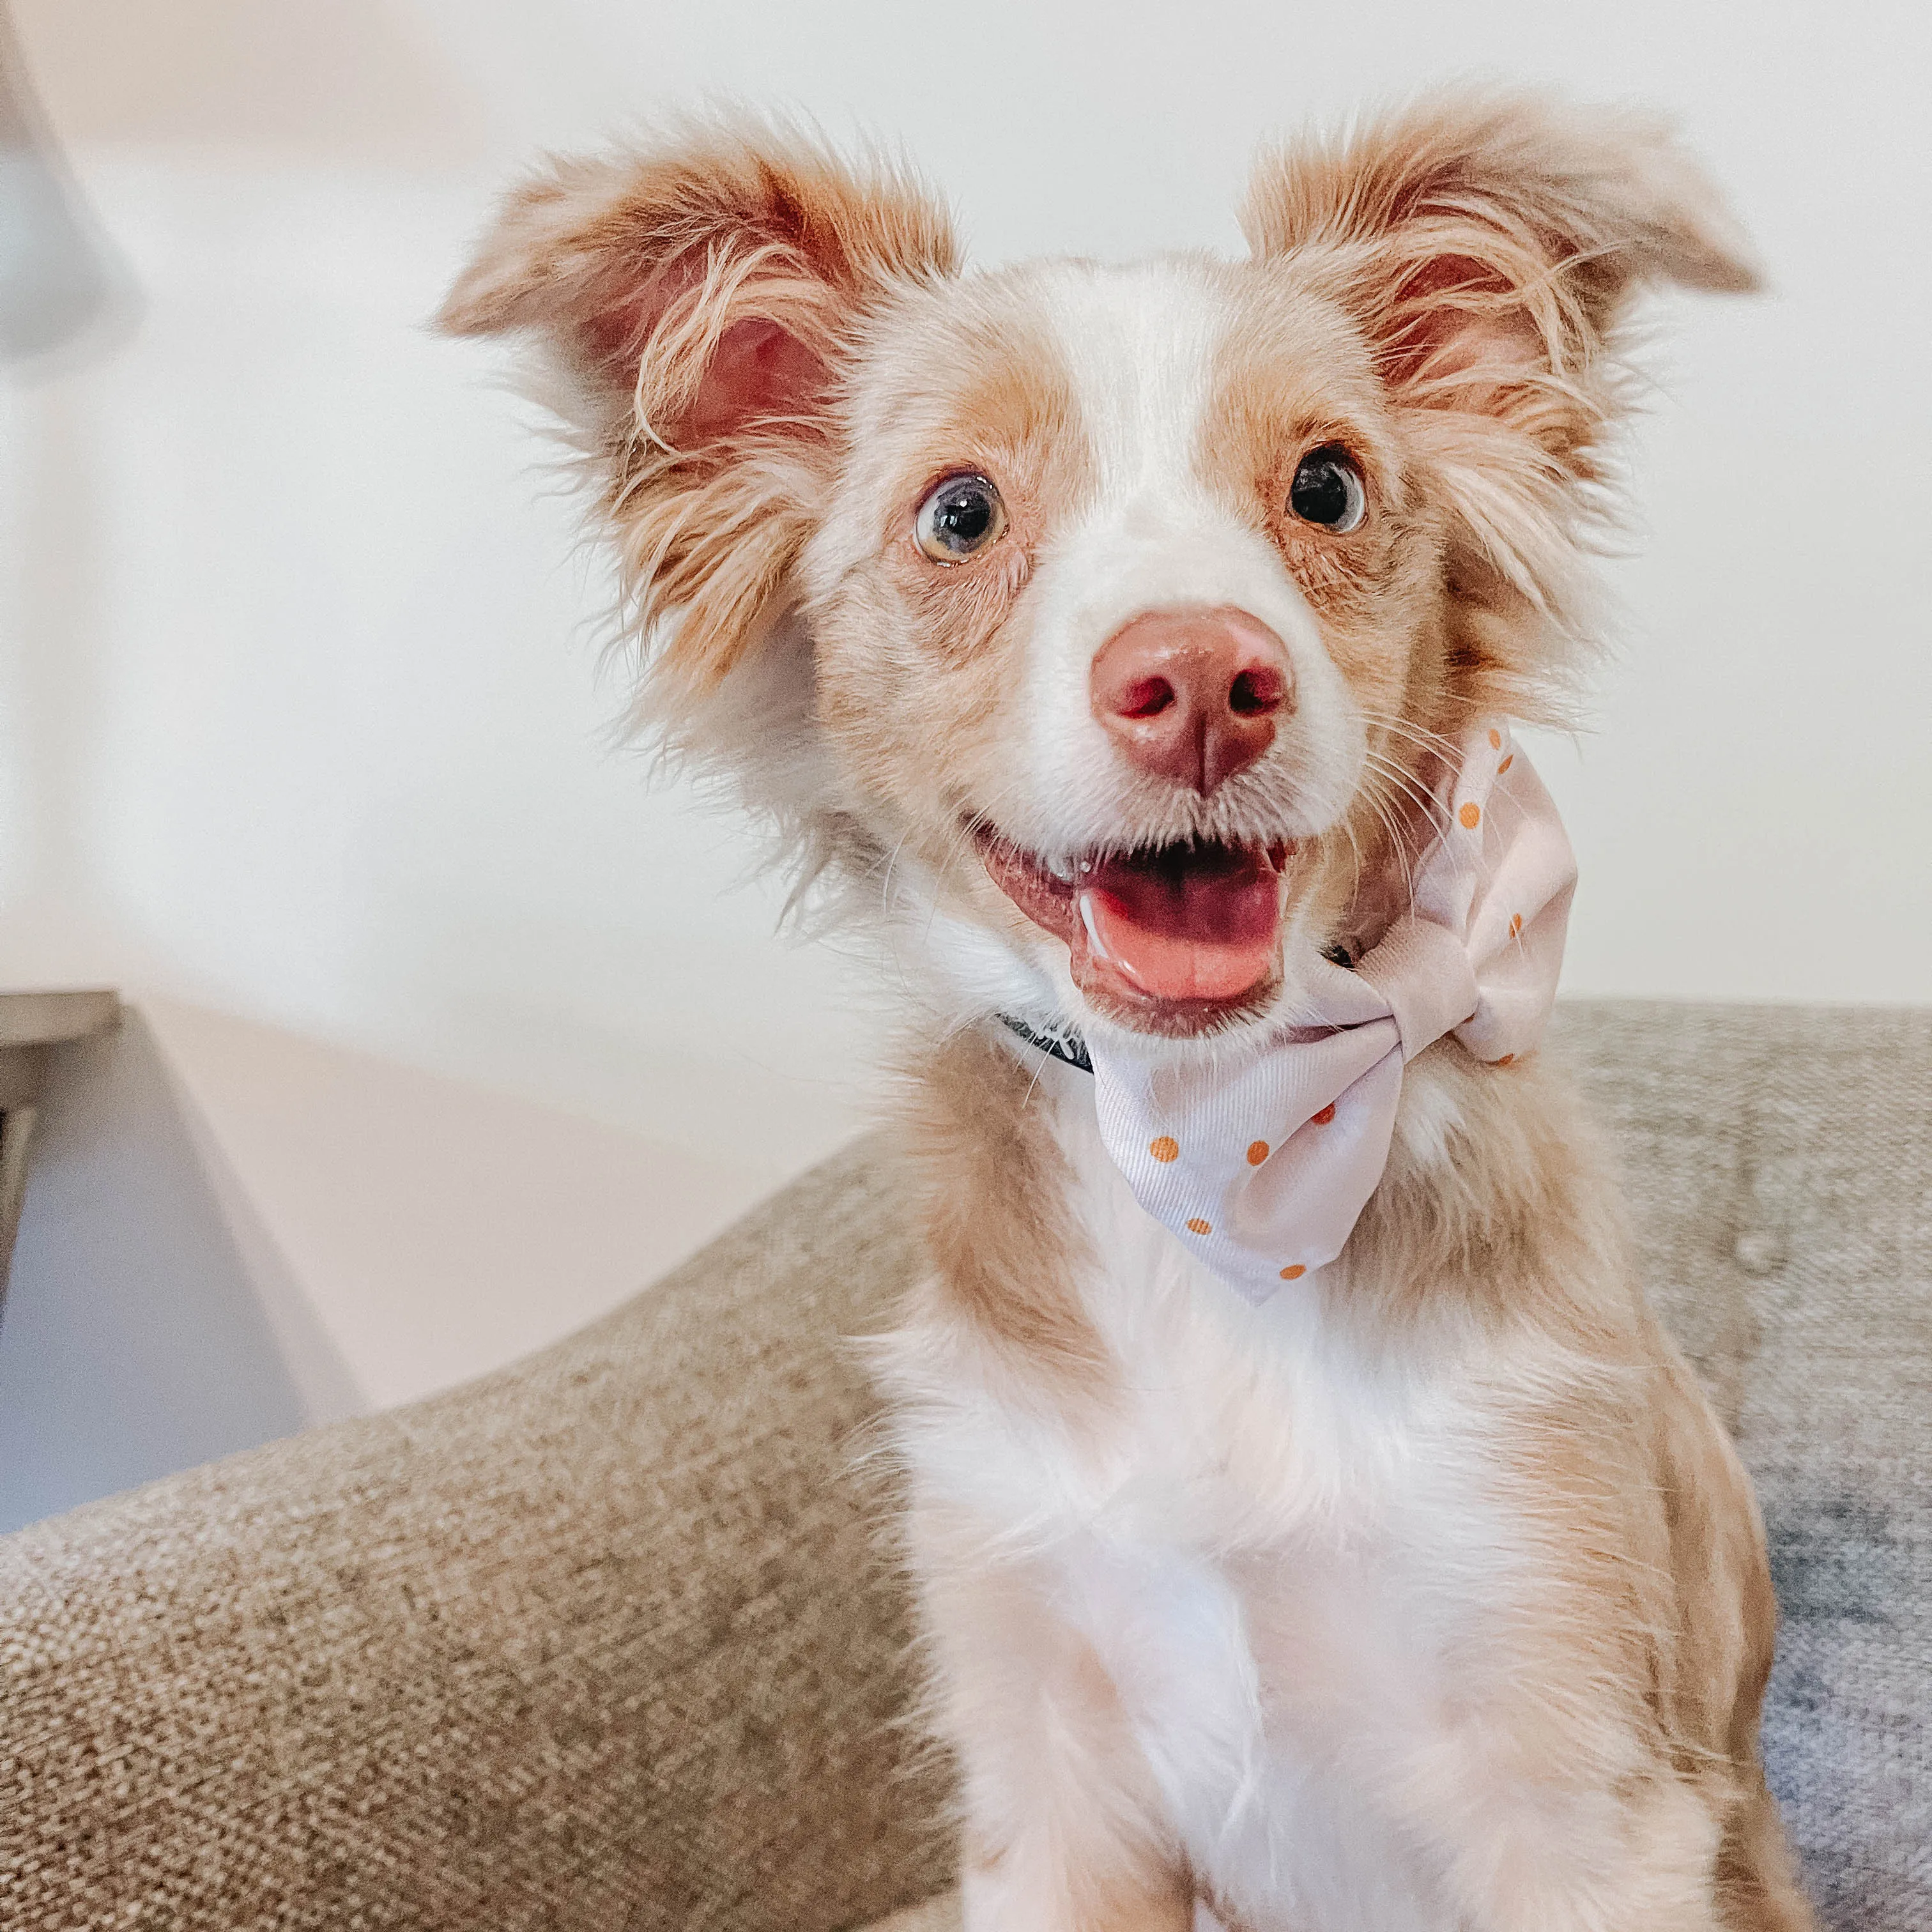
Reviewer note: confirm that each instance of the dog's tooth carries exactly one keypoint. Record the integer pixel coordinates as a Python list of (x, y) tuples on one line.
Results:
[(1062, 869), (1093, 925)]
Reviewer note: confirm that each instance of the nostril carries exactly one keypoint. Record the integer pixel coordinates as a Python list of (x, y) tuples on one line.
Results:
[(1191, 696), (1256, 691), (1145, 698)]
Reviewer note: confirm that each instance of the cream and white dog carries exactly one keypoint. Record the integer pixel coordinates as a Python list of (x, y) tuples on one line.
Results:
[(1331, 1545)]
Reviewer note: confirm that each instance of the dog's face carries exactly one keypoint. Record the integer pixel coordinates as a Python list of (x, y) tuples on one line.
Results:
[(1121, 566), (1114, 617)]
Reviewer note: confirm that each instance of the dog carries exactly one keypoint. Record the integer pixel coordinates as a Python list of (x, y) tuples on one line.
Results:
[(1312, 1527)]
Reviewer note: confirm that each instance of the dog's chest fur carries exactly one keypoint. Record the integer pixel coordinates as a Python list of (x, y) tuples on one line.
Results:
[(1280, 1550)]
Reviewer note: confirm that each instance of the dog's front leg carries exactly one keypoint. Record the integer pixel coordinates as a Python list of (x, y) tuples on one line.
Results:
[(1064, 1830)]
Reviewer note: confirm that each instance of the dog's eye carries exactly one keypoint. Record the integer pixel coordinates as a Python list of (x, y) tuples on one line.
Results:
[(962, 516), (1327, 490)]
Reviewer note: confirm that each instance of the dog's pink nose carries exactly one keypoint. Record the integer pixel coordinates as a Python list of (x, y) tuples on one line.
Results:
[(1193, 696)]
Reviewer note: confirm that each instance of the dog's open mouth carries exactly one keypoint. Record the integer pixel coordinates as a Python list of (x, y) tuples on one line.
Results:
[(1176, 935)]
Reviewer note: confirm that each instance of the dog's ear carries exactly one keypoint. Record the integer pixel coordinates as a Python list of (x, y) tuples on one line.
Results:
[(1489, 244), (699, 295)]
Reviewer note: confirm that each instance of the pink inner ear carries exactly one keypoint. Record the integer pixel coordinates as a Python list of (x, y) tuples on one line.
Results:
[(758, 371), (1440, 336)]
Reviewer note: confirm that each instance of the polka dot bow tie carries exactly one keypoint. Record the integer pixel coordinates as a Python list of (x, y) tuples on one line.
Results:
[(1262, 1166)]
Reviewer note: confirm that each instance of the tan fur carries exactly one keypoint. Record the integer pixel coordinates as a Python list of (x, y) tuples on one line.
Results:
[(915, 696), (1467, 1550), (1491, 245), (1002, 1285), (634, 269)]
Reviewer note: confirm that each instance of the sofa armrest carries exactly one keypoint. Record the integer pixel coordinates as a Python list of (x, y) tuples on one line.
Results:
[(599, 1641)]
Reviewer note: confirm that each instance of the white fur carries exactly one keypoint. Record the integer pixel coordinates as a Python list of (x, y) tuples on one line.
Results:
[(1139, 344), (1273, 1457)]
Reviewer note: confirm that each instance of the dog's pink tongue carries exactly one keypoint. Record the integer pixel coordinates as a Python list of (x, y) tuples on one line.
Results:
[(1199, 925)]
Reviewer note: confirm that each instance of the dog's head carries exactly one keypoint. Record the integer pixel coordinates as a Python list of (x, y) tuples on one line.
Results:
[(1109, 620)]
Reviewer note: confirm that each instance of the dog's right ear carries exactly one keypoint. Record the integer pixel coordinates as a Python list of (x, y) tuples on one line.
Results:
[(1489, 246), (699, 295)]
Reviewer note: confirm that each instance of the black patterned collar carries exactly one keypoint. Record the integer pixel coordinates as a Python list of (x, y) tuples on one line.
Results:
[(1068, 1047)]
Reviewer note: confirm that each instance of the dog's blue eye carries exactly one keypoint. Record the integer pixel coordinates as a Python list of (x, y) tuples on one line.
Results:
[(963, 515), (1327, 490)]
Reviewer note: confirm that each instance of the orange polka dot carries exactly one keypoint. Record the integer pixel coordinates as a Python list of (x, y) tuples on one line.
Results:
[(1495, 740), (1516, 925), (1197, 1226), (1258, 1152), (1322, 1119), (1166, 1148), (1507, 1060), (1294, 1272), (1506, 764), (1471, 815)]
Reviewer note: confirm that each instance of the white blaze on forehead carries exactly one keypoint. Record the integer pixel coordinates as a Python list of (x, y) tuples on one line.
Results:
[(1141, 347), (1139, 344)]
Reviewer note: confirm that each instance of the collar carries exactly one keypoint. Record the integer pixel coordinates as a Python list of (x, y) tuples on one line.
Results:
[(1067, 1046)]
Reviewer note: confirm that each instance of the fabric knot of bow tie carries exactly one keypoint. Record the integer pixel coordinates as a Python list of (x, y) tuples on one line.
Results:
[(1262, 1162)]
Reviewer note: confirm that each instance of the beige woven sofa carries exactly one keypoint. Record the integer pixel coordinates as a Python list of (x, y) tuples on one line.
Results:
[(601, 1641)]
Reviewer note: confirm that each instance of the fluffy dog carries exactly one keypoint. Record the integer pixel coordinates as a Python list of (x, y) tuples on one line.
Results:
[(1312, 1525)]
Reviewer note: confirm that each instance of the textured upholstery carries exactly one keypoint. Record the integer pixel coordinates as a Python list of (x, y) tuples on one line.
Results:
[(596, 1643), (1778, 1165), (599, 1642)]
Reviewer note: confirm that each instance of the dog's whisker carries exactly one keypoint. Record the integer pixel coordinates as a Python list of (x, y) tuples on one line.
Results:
[(1425, 801)]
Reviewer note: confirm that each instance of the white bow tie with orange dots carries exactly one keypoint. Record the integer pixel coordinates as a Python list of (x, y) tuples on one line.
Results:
[(1262, 1166)]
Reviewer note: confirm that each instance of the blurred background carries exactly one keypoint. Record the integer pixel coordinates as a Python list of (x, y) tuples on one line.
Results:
[(450, 1027)]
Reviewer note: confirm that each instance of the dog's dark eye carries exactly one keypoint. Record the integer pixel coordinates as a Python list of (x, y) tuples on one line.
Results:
[(963, 515), (1327, 490)]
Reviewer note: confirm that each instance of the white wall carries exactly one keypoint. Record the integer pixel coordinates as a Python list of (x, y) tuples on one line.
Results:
[(300, 718)]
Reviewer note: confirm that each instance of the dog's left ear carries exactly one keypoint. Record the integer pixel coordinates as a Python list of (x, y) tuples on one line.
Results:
[(1488, 246), (1490, 243), (700, 293)]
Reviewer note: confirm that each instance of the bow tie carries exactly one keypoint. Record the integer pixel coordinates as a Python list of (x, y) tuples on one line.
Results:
[(1261, 1159)]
